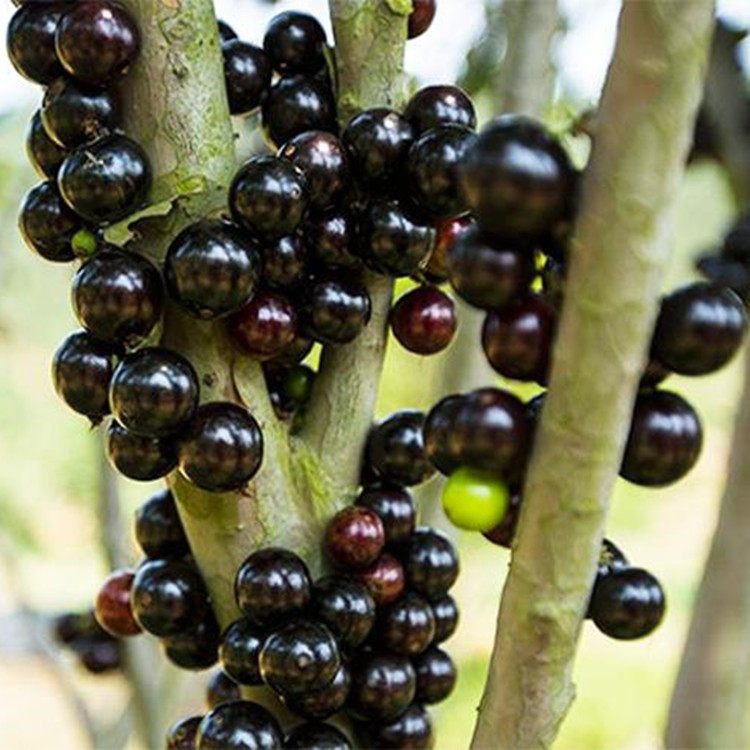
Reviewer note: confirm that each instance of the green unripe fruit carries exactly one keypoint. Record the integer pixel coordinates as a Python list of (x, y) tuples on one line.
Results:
[(475, 500)]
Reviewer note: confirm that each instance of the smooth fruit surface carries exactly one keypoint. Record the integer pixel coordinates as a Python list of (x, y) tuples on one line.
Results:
[(439, 106), (240, 650), (424, 320), (45, 155), (47, 224), (158, 528), (324, 701), (407, 626), (195, 648), (475, 500), (442, 451), (143, 459), (294, 42), (430, 563), (354, 538), (284, 262), (421, 17), (345, 606), (447, 232), (412, 729), (113, 608), (395, 507), (181, 735), (221, 688), (316, 736), (334, 311), (247, 75), (241, 725), (265, 326), (30, 41), (384, 579), (382, 687), (445, 611), (436, 676)]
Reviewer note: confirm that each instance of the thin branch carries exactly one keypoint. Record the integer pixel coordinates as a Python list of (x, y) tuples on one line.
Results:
[(620, 253)]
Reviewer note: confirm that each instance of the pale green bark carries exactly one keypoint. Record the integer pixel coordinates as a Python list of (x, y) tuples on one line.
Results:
[(618, 260)]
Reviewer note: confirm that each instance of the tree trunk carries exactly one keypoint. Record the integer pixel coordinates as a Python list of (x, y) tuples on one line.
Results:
[(619, 256)]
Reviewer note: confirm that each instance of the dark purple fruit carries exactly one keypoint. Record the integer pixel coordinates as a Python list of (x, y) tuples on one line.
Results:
[(239, 651), (421, 17), (118, 296), (321, 157), (378, 141), (293, 354), (154, 392), (436, 676), (97, 42), (518, 339), (31, 41), (430, 563), (391, 242), (113, 608), (665, 440), (45, 155), (181, 735), (700, 328), (395, 507), (73, 113), (611, 558), (296, 105), (295, 42), (488, 274), (197, 647), (300, 657), (330, 238), (158, 528), (346, 607), (106, 180), (324, 701), (383, 686), (247, 75), (504, 533), (240, 725), (272, 584), (212, 268), (439, 106), (222, 448), (221, 688), (447, 232), (440, 448), (424, 320), (81, 370), (143, 459), (265, 326), (168, 596), (395, 449), (384, 579), (354, 538), (100, 656), (284, 262), (226, 32), (47, 224), (412, 730), (445, 611), (316, 736), (517, 179), (407, 626), (334, 311), (628, 603)]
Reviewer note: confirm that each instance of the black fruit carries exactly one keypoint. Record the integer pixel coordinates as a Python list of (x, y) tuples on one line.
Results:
[(222, 448), (221, 688), (395, 507), (118, 296), (407, 626), (45, 155), (272, 584), (284, 262), (240, 725), (239, 651), (346, 607), (334, 311), (315, 736), (410, 731), (247, 75), (226, 32), (325, 701), (106, 180), (195, 648), (383, 686), (158, 528), (442, 451), (140, 458), (430, 563), (445, 611), (47, 224), (294, 42), (31, 41), (81, 370), (330, 239), (504, 533), (212, 268), (181, 735), (438, 106), (436, 676)]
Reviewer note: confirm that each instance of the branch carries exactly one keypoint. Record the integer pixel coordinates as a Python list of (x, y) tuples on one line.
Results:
[(620, 253)]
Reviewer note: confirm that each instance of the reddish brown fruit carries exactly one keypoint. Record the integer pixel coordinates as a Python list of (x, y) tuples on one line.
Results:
[(421, 17), (355, 537), (424, 320), (265, 326), (113, 611), (503, 533), (446, 233), (384, 579)]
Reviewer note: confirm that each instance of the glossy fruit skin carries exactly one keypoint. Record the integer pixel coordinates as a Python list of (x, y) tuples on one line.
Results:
[(247, 75), (330, 239), (447, 232), (106, 180), (412, 730), (142, 459), (474, 500), (354, 538), (99, 656), (181, 735), (391, 242), (325, 701), (491, 432), (268, 196), (517, 179), (430, 563), (294, 42), (240, 725), (322, 158), (439, 106), (488, 274), (665, 440), (31, 41), (296, 105), (265, 326), (97, 42), (442, 451), (167, 596), (284, 262), (113, 610), (222, 448), (47, 224), (335, 311), (154, 392), (346, 607), (239, 651), (424, 320), (73, 113), (384, 579), (445, 612), (315, 736), (212, 269), (421, 17), (628, 603), (221, 688), (272, 584), (434, 171), (82, 368), (197, 647), (299, 657), (118, 296), (158, 528), (436, 676), (504, 533), (226, 32), (700, 328), (653, 374), (293, 354), (407, 626), (518, 340), (383, 685), (45, 155), (395, 507)]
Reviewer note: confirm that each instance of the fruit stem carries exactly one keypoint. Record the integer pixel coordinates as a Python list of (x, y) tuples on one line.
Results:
[(621, 249)]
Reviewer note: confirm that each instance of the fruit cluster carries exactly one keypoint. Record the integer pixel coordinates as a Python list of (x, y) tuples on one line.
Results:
[(96, 650), (729, 265)]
